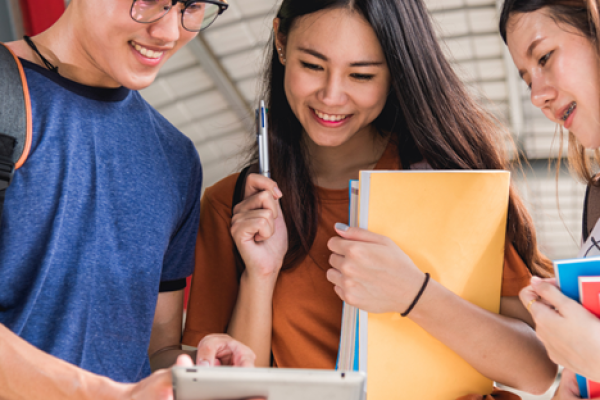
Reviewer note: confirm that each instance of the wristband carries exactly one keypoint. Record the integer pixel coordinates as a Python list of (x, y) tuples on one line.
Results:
[(418, 296)]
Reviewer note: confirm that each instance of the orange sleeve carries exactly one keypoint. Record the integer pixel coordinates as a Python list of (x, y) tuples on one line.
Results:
[(214, 284), (516, 274)]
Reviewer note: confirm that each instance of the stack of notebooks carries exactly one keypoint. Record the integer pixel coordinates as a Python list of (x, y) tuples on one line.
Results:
[(452, 224), (579, 279)]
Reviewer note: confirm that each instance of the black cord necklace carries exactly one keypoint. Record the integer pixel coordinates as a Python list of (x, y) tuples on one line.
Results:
[(47, 63)]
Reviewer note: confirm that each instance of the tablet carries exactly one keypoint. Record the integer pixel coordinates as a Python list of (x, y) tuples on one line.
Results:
[(230, 383)]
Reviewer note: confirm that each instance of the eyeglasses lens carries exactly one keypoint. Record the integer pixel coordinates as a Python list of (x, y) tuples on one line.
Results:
[(149, 10), (196, 16)]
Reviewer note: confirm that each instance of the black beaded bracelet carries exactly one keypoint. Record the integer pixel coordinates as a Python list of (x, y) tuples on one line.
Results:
[(418, 296)]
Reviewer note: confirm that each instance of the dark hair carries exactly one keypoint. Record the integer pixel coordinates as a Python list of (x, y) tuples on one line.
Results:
[(571, 12), (583, 16), (428, 112)]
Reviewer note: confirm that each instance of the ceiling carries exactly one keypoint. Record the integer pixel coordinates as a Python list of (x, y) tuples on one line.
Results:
[(208, 90)]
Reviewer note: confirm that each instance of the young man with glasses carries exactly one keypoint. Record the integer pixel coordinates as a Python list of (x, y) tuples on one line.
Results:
[(98, 228)]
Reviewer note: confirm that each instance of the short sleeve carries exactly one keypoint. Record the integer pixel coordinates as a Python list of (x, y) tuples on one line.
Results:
[(215, 283), (179, 258), (516, 275)]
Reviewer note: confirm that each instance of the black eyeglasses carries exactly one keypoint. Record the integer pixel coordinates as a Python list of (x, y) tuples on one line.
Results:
[(195, 16)]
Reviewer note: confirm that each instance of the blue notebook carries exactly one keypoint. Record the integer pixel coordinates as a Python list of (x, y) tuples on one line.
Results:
[(348, 353)]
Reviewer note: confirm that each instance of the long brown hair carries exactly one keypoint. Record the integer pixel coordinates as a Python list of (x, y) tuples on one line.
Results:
[(582, 15), (428, 112)]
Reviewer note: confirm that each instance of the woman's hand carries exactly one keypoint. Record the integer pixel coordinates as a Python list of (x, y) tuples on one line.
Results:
[(371, 272), (258, 228), (568, 388), (570, 333), (260, 235)]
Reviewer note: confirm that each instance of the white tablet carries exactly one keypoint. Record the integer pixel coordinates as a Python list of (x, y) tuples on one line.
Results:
[(227, 383)]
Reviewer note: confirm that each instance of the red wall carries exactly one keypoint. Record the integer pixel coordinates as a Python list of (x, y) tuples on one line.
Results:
[(39, 15)]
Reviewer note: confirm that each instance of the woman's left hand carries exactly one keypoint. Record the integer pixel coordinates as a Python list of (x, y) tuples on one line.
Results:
[(371, 272), (568, 388), (570, 333)]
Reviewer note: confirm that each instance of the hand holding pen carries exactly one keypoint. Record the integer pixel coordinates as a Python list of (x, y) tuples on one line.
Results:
[(257, 226)]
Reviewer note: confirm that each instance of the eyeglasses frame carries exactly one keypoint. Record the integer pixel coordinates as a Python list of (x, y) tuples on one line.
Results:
[(222, 7)]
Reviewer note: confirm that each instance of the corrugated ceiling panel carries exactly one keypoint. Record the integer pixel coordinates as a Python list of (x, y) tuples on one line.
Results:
[(435, 5), (243, 65)]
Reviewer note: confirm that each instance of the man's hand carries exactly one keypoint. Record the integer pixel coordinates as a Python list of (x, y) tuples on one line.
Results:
[(220, 349), (157, 386)]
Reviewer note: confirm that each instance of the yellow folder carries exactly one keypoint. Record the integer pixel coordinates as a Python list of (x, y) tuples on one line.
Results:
[(452, 224)]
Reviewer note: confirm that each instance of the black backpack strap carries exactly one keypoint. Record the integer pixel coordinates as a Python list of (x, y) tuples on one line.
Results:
[(15, 119), (591, 209), (238, 197)]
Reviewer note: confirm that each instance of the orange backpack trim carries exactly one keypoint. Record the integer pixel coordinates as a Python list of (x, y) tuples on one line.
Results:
[(28, 137)]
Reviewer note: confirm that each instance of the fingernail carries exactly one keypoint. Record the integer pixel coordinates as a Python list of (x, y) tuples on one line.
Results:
[(204, 363), (535, 280), (277, 192), (341, 227)]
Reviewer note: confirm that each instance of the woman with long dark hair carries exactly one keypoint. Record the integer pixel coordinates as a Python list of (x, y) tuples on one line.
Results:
[(354, 85), (555, 44)]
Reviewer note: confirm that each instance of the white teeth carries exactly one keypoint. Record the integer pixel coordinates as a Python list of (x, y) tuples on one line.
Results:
[(330, 118), (147, 52)]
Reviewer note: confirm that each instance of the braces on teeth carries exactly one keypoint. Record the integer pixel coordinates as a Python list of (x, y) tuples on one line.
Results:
[(569, 111)]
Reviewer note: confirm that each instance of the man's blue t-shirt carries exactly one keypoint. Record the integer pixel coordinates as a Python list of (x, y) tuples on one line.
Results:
[(104, 211)]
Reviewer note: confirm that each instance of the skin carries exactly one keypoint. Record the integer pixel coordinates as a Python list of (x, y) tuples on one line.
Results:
[(568, 388), (568, 330), (369, 271), (563, 67), (54, 379), (97, 52)]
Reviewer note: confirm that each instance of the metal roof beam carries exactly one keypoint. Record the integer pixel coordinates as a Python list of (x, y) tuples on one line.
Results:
[(437, 11), (213, 68)]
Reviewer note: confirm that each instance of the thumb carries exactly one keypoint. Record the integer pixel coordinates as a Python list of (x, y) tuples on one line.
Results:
[(357, 234), (552, 295)]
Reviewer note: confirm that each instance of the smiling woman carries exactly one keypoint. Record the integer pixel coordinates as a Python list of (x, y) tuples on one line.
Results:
[(555, 46), (351, 85)]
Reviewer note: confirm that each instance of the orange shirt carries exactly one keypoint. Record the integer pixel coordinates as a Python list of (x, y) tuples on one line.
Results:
[(307, 314)]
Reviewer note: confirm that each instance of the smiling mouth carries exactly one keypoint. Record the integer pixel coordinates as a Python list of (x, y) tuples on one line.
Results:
[(331, 117), (146, 52), (569, 111)]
